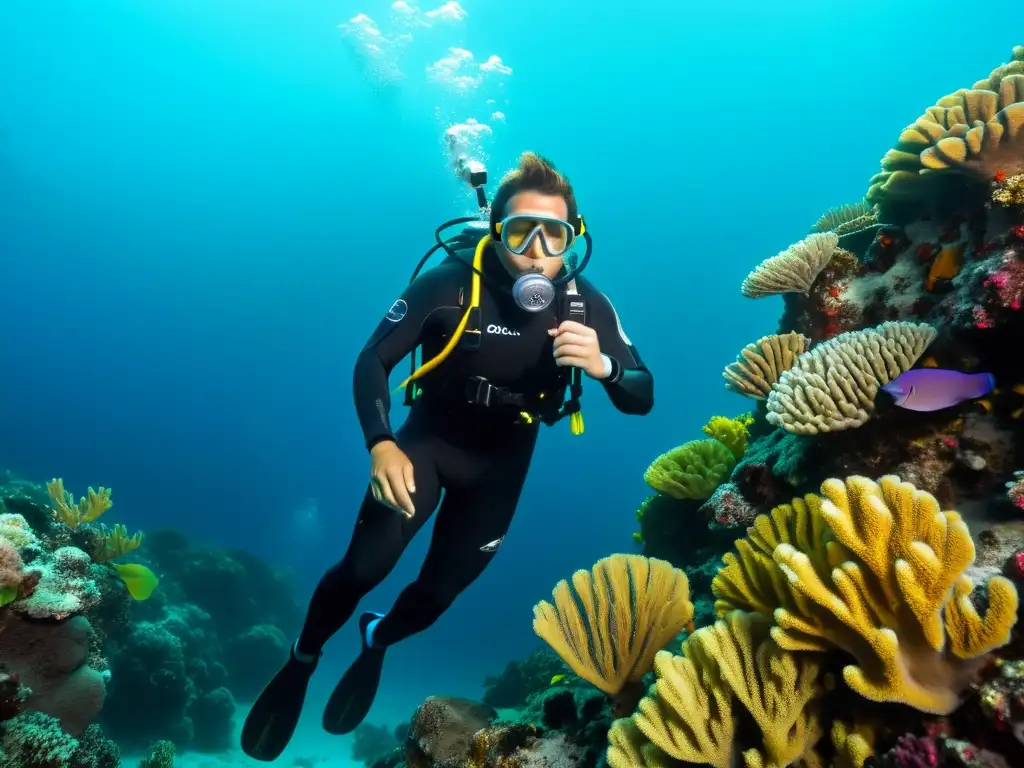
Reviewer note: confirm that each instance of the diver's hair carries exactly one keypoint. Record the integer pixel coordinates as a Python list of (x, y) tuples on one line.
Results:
[(534, 174)]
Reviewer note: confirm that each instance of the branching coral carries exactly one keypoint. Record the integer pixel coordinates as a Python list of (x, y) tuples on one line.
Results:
[(609, 626), (876, 570), (974, 132), (759, 365), (853, 743), (116, 543), (833, 387), (691, 471), (86, 510), (794, 269), (688, 714)]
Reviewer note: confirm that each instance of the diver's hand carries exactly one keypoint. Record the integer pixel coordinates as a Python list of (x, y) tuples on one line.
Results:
[(576, 345), (391, 477)]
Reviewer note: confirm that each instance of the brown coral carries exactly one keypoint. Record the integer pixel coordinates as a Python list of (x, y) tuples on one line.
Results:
[(760, 364)]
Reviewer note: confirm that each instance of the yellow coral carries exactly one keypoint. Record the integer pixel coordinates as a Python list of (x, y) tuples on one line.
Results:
[(1011, 191), (115, 543), (688, 713), (609, 626), (853, 744), (691, 471), (85, 511), (732, 433), (875, 569), (629, 748)]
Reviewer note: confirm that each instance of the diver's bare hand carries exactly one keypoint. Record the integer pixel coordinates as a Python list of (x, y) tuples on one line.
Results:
[(391, 477)]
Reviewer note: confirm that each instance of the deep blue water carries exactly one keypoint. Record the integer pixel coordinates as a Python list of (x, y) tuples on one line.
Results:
[(206, 207)]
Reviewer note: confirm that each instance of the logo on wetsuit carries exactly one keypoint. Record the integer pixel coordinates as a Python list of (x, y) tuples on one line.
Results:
[(501, 330), (397, 311)]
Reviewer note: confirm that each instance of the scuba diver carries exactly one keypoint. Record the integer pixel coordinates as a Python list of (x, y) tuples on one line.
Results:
[(507, 325)]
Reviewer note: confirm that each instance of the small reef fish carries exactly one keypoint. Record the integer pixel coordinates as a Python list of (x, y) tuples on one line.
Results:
[(932, 389), (556, 679)]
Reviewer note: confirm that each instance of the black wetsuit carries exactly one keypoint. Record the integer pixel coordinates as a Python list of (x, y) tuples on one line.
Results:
[(479, 455)]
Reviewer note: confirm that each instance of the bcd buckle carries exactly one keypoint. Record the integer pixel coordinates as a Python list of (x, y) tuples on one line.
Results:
[(480, 391)]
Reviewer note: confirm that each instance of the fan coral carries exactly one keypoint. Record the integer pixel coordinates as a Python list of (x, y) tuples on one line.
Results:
[(845, 218), (615, 618), (794, 269), (833, 387)]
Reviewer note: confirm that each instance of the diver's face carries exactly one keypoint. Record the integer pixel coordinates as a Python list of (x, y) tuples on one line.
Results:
[(533, 260)]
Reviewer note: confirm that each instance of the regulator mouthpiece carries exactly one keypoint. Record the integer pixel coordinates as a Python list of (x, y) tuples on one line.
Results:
[(533, 292)]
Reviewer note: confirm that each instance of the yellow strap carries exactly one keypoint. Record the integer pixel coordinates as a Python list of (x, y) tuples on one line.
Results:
[(474, 301)]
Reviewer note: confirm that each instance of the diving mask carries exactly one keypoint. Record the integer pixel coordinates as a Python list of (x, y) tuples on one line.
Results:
[(518, 232), (533, 291)]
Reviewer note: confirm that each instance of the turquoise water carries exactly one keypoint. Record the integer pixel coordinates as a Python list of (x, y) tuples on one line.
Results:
[(205, 208)]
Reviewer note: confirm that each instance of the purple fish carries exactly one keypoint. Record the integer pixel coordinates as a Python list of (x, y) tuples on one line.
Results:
[(932, 389)]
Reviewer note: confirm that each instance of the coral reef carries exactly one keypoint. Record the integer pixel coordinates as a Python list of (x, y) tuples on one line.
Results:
[(86, 638)]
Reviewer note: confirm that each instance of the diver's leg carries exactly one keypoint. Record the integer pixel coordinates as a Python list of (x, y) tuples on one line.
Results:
[(471, 525), (378, 540)]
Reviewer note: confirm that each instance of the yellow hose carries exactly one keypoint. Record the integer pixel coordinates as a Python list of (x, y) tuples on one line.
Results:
[(474, 302)]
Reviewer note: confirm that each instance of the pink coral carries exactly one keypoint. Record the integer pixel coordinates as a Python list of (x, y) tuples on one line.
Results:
[(728, 507), (1015, 490), (1008, 280), (914, 752), (11, 573)]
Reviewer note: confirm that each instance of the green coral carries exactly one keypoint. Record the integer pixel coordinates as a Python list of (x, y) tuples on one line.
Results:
[(732, 433), (160, 756), (692, 471), (33, 739)]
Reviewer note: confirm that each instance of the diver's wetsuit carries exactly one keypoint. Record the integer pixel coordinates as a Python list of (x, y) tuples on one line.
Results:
[(479, 455)]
